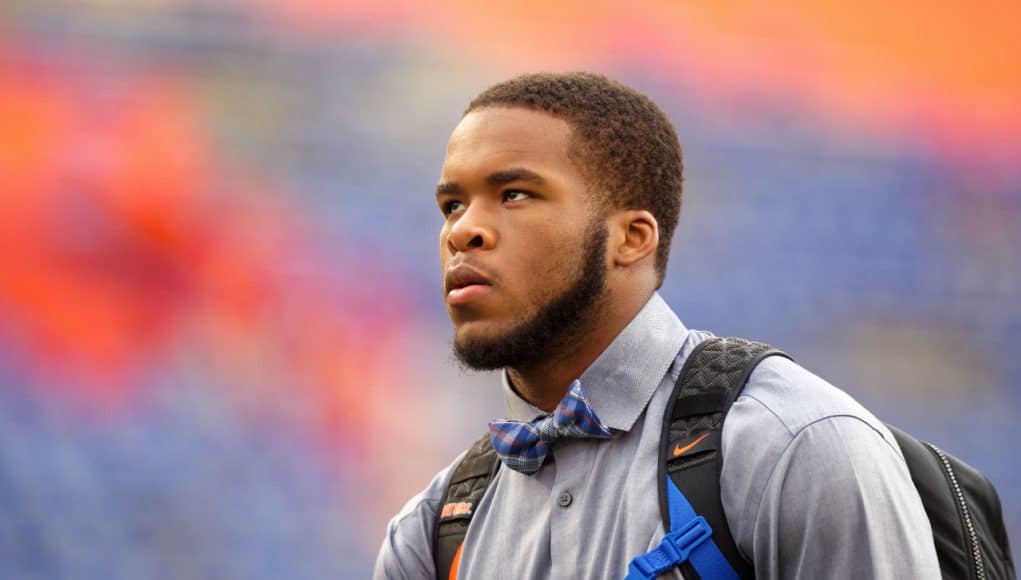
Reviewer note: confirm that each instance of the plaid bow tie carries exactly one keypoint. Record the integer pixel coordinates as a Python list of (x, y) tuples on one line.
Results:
[(523, 446)]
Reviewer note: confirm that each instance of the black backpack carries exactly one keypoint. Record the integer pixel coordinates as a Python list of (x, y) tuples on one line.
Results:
[(960, 502)]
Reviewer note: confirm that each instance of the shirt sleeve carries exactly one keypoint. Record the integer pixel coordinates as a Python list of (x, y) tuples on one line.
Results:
[(406, 553), (840, 504)]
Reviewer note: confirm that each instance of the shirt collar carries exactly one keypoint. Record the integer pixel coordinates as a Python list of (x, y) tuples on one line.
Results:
[(623, 378)]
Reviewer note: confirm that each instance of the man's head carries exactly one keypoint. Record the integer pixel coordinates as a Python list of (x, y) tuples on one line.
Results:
[(557, 190)]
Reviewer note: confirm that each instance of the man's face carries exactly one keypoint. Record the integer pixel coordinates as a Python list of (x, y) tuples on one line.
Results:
[(523, 253)]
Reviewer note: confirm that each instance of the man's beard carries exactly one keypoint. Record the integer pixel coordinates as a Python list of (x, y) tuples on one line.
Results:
[(555, 326)]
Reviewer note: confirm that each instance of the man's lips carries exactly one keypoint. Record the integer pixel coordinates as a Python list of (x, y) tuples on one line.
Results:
[(467, 293), (464, 283)]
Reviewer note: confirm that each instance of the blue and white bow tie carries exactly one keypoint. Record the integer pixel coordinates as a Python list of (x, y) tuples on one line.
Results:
[(523, 446)]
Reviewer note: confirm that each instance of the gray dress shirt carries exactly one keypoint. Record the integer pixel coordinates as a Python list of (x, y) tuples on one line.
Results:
[(813, 485)]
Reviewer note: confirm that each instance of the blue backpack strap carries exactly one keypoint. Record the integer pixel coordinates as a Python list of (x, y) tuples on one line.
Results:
[(689, 540), (691, 459)]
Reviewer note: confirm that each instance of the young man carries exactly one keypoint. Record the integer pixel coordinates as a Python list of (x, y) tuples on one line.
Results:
[(561, 193)]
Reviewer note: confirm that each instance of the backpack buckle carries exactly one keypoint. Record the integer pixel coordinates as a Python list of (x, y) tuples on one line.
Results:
[(681, 543), (675, 549)]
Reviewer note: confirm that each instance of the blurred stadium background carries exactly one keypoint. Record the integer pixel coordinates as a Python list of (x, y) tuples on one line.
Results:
[(219, 288)]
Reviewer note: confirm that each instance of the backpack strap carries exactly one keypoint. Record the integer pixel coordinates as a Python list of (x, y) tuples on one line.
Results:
[(691, 458), (467, 485)]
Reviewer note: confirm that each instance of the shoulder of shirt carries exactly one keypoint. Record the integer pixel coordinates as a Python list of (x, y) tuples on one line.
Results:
[(781, 391), (796, 398)]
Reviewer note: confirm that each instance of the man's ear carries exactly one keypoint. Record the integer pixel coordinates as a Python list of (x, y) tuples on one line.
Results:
[(634, 236)]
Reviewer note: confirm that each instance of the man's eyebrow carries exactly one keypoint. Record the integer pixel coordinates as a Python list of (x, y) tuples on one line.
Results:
[(512, 175), (448, 188), (494, 180)]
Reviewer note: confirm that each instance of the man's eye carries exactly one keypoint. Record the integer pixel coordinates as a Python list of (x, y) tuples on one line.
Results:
[(450, 207), (515, 195)]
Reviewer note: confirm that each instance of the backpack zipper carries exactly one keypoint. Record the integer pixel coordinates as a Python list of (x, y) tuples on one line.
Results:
[(976, 553)]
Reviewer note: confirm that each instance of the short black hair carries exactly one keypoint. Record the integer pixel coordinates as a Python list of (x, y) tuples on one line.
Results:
[(625, 145)]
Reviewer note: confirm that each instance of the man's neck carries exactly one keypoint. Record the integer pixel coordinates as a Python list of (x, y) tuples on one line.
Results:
[(545, 383)]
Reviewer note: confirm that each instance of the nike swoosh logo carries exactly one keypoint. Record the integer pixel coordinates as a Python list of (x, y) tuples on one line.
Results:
[(678, 450)]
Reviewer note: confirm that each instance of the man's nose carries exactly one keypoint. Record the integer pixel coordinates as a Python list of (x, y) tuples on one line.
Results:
[(472, 231)]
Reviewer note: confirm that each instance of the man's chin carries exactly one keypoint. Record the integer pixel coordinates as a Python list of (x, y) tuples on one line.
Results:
[(476, 349), (480, 355)]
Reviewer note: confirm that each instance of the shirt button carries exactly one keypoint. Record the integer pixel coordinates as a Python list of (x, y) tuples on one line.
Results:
[(565, 499)]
